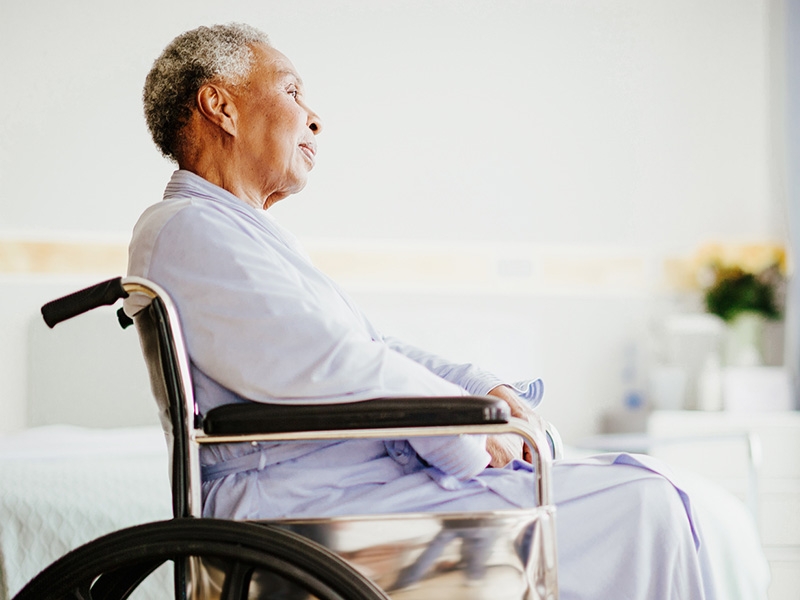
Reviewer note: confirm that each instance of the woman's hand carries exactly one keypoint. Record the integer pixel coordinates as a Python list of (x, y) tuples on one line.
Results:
[(505, 448)]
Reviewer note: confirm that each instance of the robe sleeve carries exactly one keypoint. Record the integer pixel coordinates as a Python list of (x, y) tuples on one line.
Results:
[(475, 380)]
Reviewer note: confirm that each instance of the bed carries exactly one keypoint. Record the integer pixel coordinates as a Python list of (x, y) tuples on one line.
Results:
[(65, 484)]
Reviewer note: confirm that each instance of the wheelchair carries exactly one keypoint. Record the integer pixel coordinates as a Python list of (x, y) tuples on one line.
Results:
[(480, 555)]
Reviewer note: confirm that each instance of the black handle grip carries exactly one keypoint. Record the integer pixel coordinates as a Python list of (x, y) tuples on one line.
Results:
[(99, 294)]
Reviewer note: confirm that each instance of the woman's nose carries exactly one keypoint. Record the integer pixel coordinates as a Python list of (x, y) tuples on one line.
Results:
[(314, 122)]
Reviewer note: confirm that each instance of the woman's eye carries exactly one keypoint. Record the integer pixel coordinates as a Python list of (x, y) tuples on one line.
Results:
[(293, 93)]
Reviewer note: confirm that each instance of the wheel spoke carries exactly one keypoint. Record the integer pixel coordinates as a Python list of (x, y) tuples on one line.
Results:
[(120, 583), (237, 582), (82, 592)]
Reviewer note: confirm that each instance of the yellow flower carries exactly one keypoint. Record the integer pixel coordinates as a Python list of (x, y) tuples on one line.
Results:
[(737, 278), (749, 258)]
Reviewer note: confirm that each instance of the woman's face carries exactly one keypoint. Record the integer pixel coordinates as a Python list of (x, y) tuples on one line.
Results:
[(276, 129)]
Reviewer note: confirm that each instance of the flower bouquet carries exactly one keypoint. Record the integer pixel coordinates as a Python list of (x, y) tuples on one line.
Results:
[(744, 285)]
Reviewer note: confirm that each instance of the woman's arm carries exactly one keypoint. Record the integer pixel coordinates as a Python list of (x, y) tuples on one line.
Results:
[(522, 396), (473, 379)]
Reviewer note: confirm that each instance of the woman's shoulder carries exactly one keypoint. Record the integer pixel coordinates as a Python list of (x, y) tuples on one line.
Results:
[(194, 226)]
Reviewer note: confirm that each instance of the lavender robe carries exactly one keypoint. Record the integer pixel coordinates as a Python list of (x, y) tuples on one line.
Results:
[(263, 324)]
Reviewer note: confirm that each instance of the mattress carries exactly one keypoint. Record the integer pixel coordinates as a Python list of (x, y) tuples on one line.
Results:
[(62, 486)]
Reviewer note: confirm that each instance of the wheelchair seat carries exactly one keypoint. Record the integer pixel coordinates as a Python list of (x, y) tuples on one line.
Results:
[(492, 554)]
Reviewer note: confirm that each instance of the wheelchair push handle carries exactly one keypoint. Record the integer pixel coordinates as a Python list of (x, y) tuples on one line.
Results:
[(105, 293)]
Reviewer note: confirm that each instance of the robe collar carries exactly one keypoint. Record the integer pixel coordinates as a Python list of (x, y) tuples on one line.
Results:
[(185, 184)]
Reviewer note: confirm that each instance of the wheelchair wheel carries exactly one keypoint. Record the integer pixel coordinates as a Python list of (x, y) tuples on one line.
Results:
[(113, 566)]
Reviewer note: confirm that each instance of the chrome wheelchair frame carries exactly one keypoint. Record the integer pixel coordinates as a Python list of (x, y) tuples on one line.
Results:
[(345, 557)]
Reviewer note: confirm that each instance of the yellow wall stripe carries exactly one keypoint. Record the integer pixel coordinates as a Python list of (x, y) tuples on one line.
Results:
[(42, 257)]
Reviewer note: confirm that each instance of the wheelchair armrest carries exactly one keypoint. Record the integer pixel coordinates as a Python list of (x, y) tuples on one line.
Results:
[(380, 413)]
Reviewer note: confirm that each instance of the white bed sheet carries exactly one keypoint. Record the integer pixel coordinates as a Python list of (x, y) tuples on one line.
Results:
[(62, 486)]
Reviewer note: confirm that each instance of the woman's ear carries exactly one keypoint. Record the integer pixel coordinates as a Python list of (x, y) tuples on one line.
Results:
[(216, 105)]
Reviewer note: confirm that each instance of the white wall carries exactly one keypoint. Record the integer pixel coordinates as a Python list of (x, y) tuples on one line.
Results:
[(579, 121), (641, 125)]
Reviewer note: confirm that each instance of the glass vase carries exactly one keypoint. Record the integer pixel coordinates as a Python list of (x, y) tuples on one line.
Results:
[(745, 339)]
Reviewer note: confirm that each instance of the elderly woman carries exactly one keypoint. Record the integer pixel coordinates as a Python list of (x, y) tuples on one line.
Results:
[(262, 324)]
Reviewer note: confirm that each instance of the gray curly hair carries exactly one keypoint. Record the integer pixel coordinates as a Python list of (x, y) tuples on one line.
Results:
[(220, 52)]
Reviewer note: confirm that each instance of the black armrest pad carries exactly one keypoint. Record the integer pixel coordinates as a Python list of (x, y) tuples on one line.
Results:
[(255, 417)]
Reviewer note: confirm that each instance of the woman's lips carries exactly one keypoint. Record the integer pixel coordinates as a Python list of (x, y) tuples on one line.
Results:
[(309, 150)]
